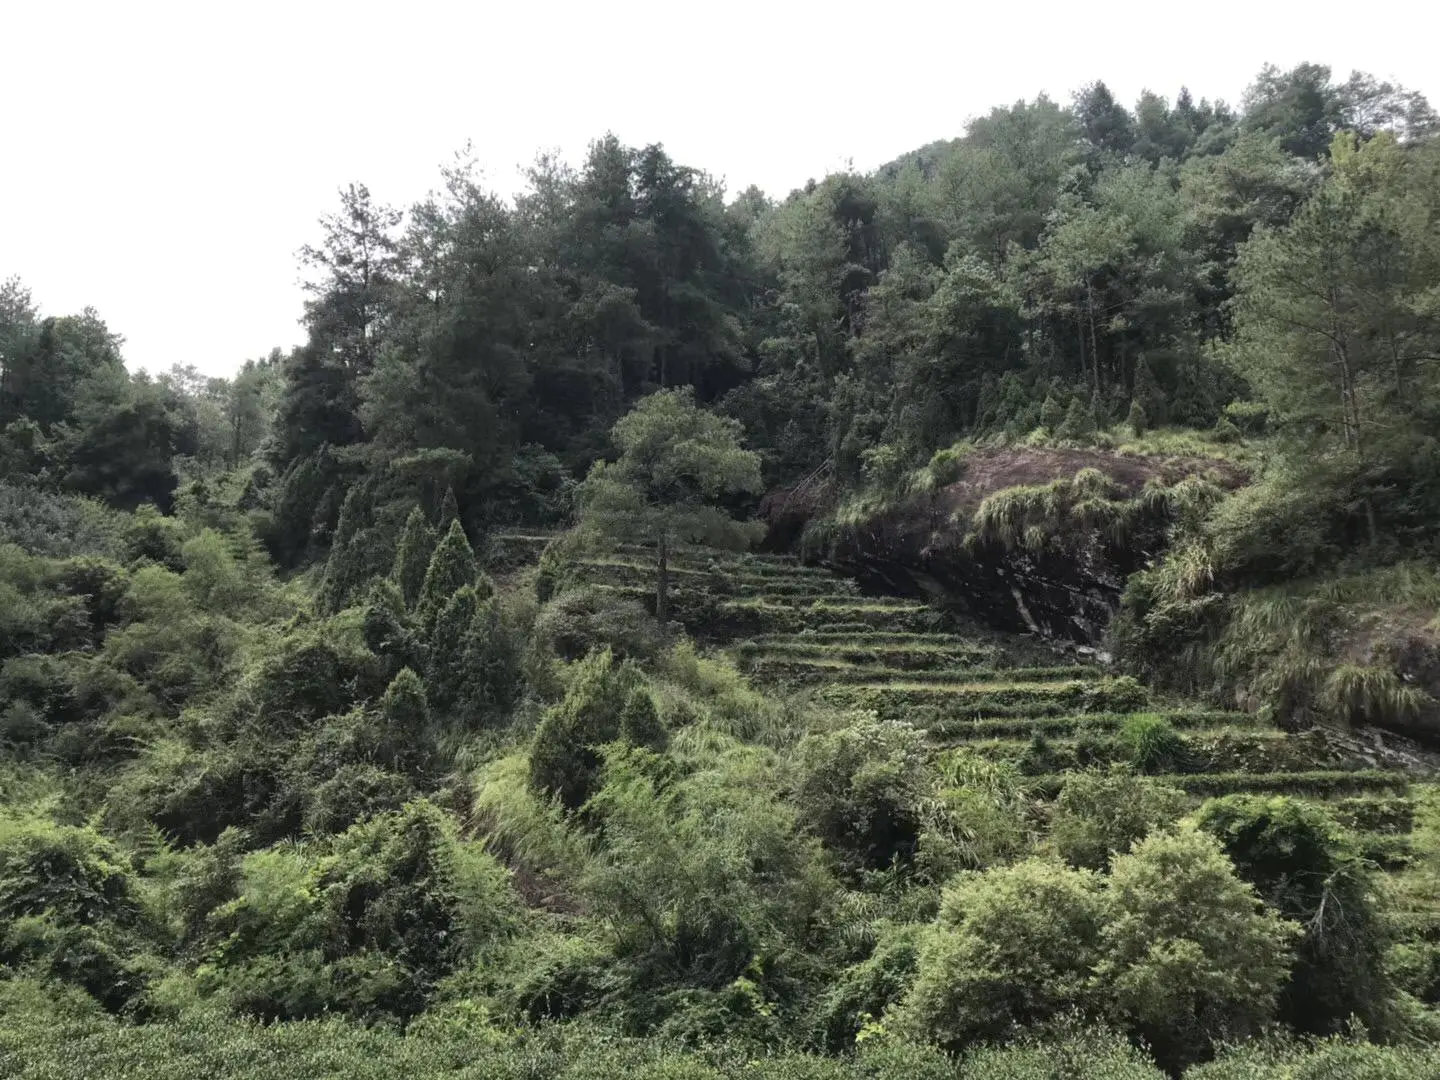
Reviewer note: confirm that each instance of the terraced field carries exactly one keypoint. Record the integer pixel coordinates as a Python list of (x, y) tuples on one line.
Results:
[(805, 630)]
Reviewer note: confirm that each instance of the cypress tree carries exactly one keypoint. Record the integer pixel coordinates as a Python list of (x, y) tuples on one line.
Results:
[(412, 556), (491, 663), (446, 670), (1079, 423), (452, 567), (347, 567), (1136, 418), (1051, 414), (405, 708)]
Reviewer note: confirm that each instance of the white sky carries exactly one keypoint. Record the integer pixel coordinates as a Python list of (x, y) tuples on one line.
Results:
[(164, 161)]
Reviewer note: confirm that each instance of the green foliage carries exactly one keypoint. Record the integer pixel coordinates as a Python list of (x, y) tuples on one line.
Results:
[(1015, 945), (1153, 744), (1099, 815), (583, 619), (1306, 869), (1191, 957), (451, 568), (861, 789), (863, 992), (366, 926), (676, 461), (1038, 517), (412, 556), (1274, 1059), (68, 909), (565, 757), (1069, 1052)]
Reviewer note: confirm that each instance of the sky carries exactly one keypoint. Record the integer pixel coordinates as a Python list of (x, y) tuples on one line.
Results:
[(163, 162)]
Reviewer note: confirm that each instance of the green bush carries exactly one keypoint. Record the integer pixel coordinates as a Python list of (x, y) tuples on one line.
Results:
[(1099, 815), (565, 755), (862, 993), (1191, 956), (1331, 1059), (1072, 1052), (68, 909), (860, 789), (1153, 745), (367, 925), (1307, 869), (1013, 946), (584, 619)]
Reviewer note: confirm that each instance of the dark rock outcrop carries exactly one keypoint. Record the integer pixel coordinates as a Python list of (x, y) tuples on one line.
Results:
[(1069, 590)]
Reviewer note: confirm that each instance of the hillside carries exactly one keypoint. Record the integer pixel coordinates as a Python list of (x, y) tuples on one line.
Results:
[(978, 620)]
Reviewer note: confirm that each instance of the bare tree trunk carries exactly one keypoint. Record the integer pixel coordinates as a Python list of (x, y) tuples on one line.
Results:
[(1094, 343), (662, 582)]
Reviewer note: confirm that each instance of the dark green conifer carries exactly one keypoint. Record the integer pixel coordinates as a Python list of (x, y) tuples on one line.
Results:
[(452, 567), (412, 556)]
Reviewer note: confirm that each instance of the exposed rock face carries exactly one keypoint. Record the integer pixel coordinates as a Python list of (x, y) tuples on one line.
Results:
[(1068, 591)]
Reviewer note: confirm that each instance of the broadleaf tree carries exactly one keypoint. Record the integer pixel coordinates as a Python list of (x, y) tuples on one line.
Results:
[(676, 462)]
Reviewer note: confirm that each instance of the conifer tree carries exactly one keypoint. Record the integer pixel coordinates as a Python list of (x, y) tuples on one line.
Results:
[(405, 708), (446, 670), (491, 663), (1135, 419), (348, 566), (1052, 415), (1079, 422), (412, 556), (451, 567)]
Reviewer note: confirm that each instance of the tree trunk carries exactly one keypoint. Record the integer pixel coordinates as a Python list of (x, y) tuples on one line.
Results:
[(662, 582), (1094, 342)]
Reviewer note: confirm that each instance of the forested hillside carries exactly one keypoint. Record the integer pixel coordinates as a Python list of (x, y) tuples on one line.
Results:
[(975, 619)]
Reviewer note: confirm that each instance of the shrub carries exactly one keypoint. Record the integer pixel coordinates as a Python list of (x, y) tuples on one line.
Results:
[(1014, 945), (1304, 867), (863, 992), (565, 751), (68, 908), (582, 620), (1191, 957), (860, 789), (1099, 815), (366, 926), (946, 466), (1072, 1052), (1282, 1058), (1152, 744)]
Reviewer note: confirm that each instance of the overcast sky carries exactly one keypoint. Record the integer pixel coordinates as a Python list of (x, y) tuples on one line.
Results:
[(163, 162)]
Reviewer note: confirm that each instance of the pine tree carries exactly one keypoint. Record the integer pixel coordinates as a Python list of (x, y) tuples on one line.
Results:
[(1052, 415), (1136, 417), (1079, 423), (677, 461), (405, 708), (452, 567), (446, 668), (412, 556)]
